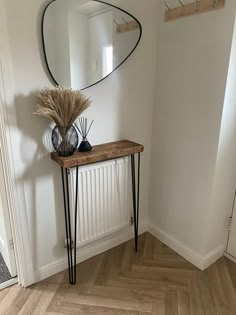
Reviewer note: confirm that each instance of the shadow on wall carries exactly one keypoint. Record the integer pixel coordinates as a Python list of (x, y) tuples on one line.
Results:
[(37, 172), (39, 178), (121, 116)]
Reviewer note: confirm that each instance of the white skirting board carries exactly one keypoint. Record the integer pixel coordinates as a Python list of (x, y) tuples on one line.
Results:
[(115, 239), (230, 257), (201, 262), (90, 250)]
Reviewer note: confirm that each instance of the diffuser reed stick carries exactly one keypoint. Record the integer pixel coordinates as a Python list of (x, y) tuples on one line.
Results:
[(82, 128)]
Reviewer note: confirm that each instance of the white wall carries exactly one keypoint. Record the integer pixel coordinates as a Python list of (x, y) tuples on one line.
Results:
[(193, 57), (62, 46), (100, 36), (122, 108), (79, 49), (123, 42), (57, 42)]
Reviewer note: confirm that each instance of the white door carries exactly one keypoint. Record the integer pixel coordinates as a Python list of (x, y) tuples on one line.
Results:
[(231, 241), (6, 244)]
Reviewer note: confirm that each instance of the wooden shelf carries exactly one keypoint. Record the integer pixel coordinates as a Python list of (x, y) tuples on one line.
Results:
[(195, 7), (99, 153)]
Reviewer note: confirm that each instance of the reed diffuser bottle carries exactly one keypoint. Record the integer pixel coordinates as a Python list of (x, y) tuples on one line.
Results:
[(83, 129)]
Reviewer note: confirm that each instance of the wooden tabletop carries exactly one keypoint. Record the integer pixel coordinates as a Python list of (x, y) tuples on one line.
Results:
[(99, 153)]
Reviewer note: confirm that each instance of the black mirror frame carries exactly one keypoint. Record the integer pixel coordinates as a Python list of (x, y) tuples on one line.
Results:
[(44, 46)]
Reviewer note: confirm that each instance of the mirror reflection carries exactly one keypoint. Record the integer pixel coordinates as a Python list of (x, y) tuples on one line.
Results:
[(85, 41)]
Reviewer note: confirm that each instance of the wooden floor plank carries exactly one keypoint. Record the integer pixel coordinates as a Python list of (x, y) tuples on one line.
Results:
[(227, 284), (93, 300), (130, 294), (183, 301), (59, 295), (6, 302), (149, 247), (128, 257), (158, 308), (222, 306), (44, 301), (103, 274), (165, 277), (30, 305), (232, 271), (87, 276), (77, 309), (139, 256), (167, 261), (206, 293), (171, 301), (196, 306), (155, 280)]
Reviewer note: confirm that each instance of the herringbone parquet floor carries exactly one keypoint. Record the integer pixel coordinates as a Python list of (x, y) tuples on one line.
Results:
[(154, 281)]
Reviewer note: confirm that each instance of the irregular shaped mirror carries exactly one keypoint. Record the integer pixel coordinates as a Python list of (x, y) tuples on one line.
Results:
[(84, 41)]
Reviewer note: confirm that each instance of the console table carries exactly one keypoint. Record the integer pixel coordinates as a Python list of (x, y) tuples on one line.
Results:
[(99, 153)]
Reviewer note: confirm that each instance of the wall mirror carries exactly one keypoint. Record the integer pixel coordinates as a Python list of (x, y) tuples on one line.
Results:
[(84, 41)]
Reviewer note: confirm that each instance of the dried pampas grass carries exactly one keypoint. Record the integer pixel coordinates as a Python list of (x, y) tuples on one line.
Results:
[(63, 106)]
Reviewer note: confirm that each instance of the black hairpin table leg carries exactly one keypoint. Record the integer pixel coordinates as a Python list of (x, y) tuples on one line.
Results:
[(70, 242), (135, 196)]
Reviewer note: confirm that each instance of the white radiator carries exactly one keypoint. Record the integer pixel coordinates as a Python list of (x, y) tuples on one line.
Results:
[(104, 199)]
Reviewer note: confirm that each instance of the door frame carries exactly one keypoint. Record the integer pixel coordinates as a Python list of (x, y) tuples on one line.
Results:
[(6, 243), (9, 135), (226, 253)]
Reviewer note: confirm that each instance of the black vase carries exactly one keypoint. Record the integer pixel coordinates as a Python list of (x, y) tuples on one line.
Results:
[(65, 140), (85, 146)]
